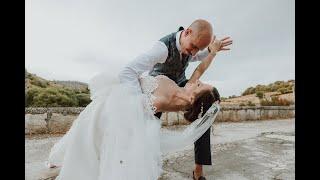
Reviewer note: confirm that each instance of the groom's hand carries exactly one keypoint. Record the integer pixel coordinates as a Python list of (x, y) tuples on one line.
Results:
[(217, 45)]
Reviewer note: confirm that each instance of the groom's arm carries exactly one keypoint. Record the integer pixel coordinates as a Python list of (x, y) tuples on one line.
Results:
[(144, 62)]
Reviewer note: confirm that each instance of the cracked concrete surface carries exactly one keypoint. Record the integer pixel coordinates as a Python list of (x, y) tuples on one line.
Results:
[(260, 157), (243, 150)]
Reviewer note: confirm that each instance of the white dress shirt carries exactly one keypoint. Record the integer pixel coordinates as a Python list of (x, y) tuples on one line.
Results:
[(146, 61)]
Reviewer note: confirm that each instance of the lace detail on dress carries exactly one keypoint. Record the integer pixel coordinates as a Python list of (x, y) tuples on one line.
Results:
[(148, 85)]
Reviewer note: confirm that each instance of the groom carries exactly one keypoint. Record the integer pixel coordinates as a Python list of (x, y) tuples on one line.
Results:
[(170, 56)]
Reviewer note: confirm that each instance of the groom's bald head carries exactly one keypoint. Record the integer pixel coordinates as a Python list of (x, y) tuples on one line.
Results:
[(202, 29), (196, 37)]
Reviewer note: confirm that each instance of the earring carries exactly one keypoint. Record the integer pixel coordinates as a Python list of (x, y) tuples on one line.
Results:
[(201, 112)]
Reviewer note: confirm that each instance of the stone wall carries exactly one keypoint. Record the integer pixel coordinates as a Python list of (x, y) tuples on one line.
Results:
[(59, 119), (50, 120)]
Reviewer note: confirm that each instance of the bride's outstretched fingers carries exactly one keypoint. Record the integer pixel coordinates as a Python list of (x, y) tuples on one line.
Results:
[(220, 45), (224, 49), (225, 38), (226, 41)]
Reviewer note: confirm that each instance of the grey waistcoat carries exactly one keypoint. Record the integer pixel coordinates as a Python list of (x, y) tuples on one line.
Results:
[(173, 67)]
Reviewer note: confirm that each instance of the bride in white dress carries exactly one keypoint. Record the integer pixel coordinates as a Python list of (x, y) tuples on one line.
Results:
[(117, 135)]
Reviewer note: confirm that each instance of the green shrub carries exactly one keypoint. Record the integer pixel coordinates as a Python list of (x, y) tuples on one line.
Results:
[(265, 102), (279, 82), (250, 90), (37, 82), (275, 101), (260, 88), (250, 104), (30, 94), (223, 98), (83, 99), (272, 87), (285, 90), (260, 94), (52, 97), (86, 91)]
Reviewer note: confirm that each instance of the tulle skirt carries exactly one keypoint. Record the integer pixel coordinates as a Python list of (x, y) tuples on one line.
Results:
[(117, 137)]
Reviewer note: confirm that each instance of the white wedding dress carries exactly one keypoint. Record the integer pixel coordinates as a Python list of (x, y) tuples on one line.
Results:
[(117, 136)]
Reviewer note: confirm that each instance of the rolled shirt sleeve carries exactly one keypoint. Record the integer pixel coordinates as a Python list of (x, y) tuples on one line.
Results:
[(144, 62)]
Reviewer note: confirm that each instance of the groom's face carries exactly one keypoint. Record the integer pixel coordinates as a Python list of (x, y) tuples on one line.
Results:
[(192, 42)]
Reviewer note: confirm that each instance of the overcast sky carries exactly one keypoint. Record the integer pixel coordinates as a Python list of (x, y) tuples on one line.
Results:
[(75, 39)]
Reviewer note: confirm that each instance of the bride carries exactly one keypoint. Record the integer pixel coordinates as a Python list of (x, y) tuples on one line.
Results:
[(117, 135)]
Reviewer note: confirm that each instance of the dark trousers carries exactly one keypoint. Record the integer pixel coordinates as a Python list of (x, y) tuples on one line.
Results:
[(202, 148)]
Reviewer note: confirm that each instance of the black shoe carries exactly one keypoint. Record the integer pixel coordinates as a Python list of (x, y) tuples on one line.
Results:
[(200, 178)]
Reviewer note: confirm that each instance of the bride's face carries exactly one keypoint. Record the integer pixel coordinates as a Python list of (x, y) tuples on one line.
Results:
[(198, 86)]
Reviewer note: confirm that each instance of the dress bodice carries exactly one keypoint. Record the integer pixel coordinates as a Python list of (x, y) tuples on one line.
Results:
[(148, 85)]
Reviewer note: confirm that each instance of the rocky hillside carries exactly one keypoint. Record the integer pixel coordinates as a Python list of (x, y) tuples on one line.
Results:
[(33, 79), (253, 100), (72, 84), (278, 86), (277, 93), (44, 93), (40, 92)]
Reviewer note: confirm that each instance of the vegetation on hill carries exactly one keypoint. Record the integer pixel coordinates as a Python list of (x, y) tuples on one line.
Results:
[(278, 93), (275, 101), (278, 86), (43, 93), (76, 85), (40, 92)]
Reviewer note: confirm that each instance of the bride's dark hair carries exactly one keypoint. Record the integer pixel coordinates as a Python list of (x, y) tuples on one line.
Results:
[(204, 101)]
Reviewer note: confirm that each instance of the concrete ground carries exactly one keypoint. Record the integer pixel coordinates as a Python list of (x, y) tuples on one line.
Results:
[(244, 150)]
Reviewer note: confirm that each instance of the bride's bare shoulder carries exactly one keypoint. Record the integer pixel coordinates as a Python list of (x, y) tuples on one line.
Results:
[(162, 79)]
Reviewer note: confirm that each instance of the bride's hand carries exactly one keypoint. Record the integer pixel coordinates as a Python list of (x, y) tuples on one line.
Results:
[(219, 45)]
